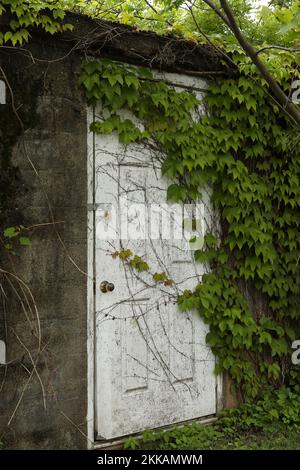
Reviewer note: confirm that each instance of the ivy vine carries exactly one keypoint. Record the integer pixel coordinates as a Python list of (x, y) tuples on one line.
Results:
[(24, 15), (246, 150)]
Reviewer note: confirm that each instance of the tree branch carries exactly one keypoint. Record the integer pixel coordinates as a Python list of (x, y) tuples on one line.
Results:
[(217, 11), (282, 48), (282, 98)]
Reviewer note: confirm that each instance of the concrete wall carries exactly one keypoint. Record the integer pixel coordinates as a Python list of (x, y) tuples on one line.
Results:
[(56, 144)]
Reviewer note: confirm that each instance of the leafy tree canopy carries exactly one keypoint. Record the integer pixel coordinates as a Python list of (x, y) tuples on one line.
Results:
[(278, 23)]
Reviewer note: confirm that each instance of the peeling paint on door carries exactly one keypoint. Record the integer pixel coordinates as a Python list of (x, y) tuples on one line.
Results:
[(152, 365)]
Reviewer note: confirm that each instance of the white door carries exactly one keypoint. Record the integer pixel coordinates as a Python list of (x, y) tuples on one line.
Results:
[(153, 367)]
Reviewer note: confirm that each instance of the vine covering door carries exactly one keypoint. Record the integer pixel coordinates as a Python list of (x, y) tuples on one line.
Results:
[(153, 367)]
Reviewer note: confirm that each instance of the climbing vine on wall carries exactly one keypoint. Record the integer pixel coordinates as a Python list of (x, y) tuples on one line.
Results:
[(22, 16), (247, 151)]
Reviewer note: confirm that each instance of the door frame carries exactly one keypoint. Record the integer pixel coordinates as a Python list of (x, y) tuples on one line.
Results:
[(91, 327), (182, 81)]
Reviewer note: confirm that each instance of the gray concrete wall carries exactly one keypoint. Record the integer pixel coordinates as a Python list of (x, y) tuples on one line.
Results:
[(55, 141)]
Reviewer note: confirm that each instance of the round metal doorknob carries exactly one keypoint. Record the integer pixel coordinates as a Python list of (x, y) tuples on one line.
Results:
[(106, 286)]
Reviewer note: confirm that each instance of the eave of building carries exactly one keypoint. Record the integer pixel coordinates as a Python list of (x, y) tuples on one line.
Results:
[(124, 43)]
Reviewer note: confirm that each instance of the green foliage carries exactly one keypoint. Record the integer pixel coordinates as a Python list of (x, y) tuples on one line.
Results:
[(126, 130), (134, 261), (13, 234), (162, 278), (159, 277), (245, 149), (193, 436), (289, 17), (199, 437), (139, 264), (275, 408), (131, 443), (275, 414), (247, 152), (25, 15), (124, 255), (277, 23)]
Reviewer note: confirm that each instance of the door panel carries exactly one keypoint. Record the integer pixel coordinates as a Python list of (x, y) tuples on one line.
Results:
[(153, 367)]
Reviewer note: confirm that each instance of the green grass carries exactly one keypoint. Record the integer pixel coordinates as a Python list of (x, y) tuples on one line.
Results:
[(209, 439), (288, 440), (272, 422), (212, 437)]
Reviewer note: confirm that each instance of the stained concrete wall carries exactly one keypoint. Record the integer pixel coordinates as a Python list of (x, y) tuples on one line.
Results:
[(55, 142)]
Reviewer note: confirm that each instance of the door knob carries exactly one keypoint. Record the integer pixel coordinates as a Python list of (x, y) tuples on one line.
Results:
[(106, 286)]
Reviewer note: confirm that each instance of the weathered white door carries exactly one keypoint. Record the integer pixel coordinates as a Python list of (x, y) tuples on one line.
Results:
[(153, 367)]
